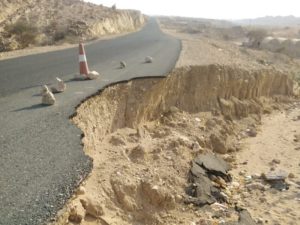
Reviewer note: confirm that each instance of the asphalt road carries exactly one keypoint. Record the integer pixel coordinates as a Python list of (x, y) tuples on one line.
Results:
[(41, 156)]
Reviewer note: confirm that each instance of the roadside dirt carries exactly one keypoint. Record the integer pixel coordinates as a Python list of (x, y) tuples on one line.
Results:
[(275, 147), (144, 134)]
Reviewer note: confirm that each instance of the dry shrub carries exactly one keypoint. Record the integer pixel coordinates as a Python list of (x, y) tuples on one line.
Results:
[(25, 33), (59, 35), (257, 34)]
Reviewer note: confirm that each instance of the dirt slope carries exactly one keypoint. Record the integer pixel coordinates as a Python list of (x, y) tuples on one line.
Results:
[(46, 22)]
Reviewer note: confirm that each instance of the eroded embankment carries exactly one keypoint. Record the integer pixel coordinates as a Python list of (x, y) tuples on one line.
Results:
[(143, 135), (232, 91)]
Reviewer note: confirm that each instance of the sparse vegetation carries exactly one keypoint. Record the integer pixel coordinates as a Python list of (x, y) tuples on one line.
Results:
[(256, 36), (44, 22), (25, 33), (258, 33), (204, 27)]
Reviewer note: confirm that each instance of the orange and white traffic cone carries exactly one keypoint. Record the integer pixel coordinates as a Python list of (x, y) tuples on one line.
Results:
[(83, 66), (84, 72)]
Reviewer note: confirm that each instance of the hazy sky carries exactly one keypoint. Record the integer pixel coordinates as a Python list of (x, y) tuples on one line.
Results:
[(219, 9)]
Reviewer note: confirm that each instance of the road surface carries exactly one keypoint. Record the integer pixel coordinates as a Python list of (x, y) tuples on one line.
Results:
[(42, 160)]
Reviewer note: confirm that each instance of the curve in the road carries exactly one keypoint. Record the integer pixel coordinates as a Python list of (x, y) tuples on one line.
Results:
[(41, 151)]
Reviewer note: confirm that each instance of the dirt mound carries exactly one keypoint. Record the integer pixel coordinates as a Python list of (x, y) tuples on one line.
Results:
[(48, 22)]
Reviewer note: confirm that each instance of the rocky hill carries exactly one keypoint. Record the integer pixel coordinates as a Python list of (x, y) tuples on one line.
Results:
[(26, 23)]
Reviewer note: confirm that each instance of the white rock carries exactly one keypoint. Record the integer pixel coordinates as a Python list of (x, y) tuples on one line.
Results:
[(148, 59), (248, 179), (197, 119), (47, 97), (59, 87), (93, 75), (155, 187)]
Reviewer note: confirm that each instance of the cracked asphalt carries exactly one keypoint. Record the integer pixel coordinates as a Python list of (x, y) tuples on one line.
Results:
[(42, 160)]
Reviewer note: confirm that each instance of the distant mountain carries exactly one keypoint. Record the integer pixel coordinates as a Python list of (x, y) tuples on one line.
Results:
[(273, 21)]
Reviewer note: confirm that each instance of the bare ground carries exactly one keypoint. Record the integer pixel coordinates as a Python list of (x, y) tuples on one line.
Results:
[(143, 136), (276, 147)]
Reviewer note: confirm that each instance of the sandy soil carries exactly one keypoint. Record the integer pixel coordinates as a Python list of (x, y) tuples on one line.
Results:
[(275, 142), (201, 50), (142, 146)]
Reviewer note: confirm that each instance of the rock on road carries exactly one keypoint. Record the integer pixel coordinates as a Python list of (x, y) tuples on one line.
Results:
[(42, 160)]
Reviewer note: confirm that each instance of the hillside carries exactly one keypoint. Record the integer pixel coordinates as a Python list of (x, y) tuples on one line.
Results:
[(47, 22)]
